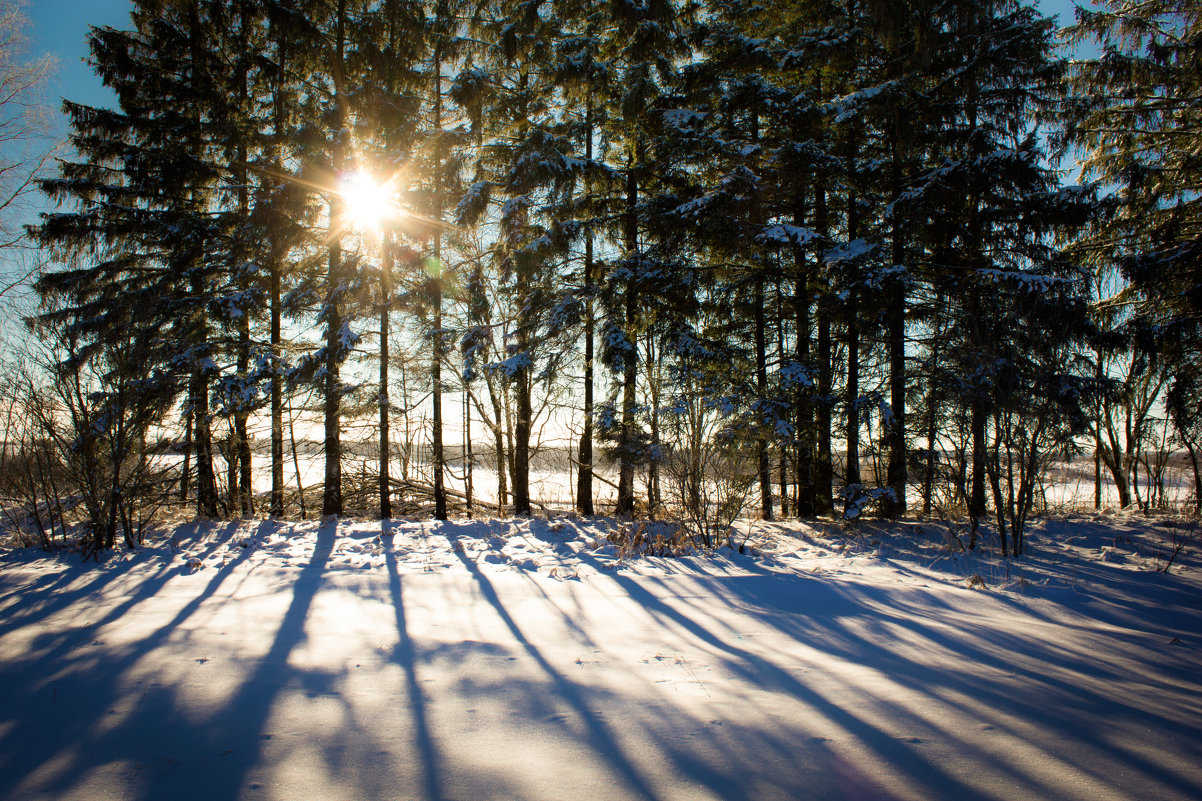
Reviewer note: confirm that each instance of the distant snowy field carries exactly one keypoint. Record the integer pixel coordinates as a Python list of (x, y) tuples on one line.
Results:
[(528, 660)]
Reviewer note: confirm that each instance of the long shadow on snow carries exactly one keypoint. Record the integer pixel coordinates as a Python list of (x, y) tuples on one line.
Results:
[(761, 671), (405, 655), (1057, 703), (599, 737), (60, 592), (229, 745), (63, 690)]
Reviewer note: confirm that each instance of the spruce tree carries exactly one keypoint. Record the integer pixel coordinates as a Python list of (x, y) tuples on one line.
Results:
[(1134, 112), (142, 229)]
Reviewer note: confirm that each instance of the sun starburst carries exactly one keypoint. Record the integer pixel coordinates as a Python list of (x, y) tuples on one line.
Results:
[(367, 202)]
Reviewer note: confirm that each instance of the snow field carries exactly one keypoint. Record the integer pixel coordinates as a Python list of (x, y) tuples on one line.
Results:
[(498, 659)]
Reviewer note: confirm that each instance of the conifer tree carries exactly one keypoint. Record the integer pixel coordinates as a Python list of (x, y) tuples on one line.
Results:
[(1134, 111), (142, 231)]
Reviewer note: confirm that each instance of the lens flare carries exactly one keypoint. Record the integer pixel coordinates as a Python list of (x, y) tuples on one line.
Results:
[(367, 203)]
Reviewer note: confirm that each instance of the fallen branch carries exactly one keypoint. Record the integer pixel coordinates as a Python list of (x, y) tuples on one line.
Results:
[(596, 475), (427, 490)]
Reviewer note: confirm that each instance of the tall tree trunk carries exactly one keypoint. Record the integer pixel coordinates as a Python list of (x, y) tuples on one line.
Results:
[(824, 465), (276, 268), (584, 480), (804, 409), (498, 429), (331, 502), (277, 394), (1097, 439), (523, 377), (783, 450), (852, 322), (895, 473), (386, 253), (979, 415), (928, 475), (979, 406), (761, 380), (440, 495), (206, 479), (761, 347), (626, 449), (522, 426), (654, 498), (245, 500), (185, 476), (469, 460)]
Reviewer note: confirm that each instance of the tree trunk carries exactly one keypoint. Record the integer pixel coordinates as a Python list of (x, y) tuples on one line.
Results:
[(206, 479), (761, 378), (852, 321), (331, 501), (654, 499), (804, 409), (277, 397), (276, 311), (584, 481), (385, 356), (1097, 439), (976, 500), (186, 472), (1193, 460), (761, 348), (522, 426), (245, 501), (895, 474), (783, 451), (626, 449), (824, 465), (468, 458), (440, 495), (928, 473), (498, 429)]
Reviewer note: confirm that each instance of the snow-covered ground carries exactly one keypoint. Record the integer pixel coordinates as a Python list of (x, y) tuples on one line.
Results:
[(529, 660)]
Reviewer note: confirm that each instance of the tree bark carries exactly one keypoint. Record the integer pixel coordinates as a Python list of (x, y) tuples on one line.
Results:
[(385, 356), (761, 378), (276, 267), (824, 465), (440, 495), (331, 501), (627, 456), (895, 474), (804, 409), (584, 480), (852, 322)]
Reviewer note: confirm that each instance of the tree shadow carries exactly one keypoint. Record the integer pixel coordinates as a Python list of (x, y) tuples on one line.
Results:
[(69, 683), (405, 655), (597, 735)]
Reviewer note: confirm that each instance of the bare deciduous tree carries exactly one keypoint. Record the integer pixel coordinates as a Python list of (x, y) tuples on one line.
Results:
[(26, 144)]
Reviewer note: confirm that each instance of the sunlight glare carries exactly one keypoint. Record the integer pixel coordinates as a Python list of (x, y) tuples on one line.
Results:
[(368, 203)]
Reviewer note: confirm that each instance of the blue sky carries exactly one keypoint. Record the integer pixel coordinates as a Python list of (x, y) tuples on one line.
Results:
[(59, 28)]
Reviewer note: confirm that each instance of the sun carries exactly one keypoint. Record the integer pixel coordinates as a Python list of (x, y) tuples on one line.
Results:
[(367, 202)]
